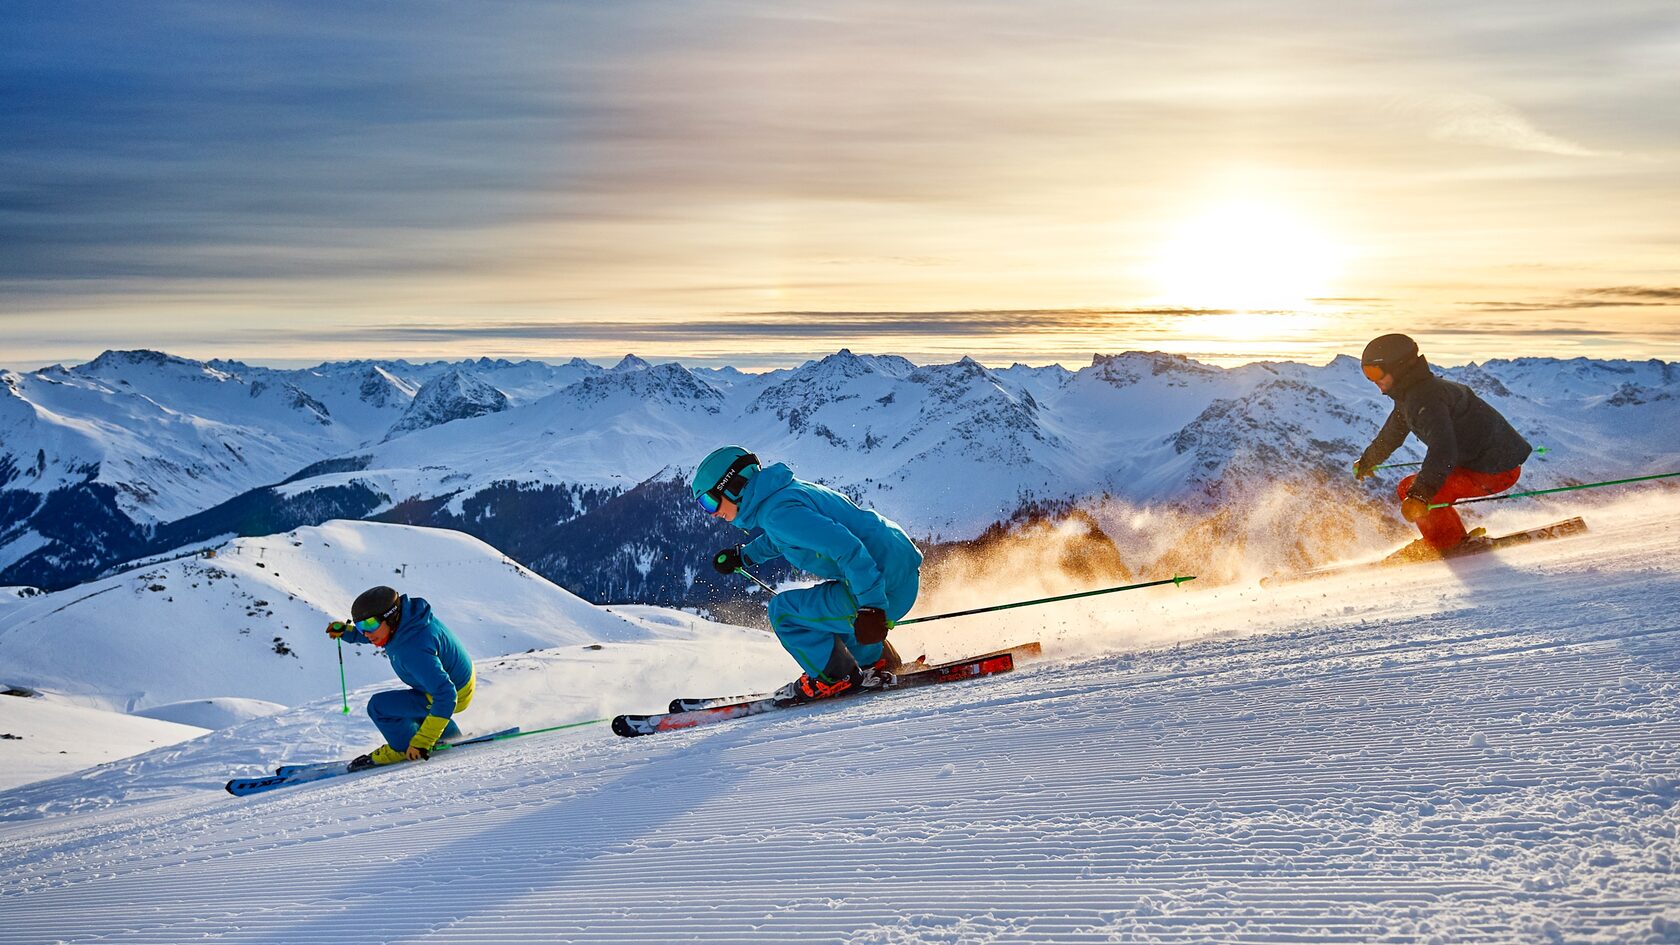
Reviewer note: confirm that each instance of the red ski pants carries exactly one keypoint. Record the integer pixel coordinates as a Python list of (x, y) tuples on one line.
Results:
[(1442, 528)]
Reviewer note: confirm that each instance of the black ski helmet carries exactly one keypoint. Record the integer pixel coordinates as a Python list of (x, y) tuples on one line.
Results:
[(1393, 352), (382, 602)]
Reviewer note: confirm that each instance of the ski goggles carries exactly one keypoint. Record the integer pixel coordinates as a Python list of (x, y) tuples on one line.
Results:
[(370, 624), (1375, 372)]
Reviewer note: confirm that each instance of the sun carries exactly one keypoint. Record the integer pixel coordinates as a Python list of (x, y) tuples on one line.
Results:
[(1246, 257)]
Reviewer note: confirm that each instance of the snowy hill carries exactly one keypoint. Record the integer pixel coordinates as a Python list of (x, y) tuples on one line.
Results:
[(571, 453), (247, 623), (1476, 751), (210, 642)]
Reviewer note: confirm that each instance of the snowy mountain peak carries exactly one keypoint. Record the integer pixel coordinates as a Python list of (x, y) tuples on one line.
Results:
[(629, 363), (1124, 370), (380, 388), (118, 359), (669, 383), (127, 368), (951, 376), (455, 395), (844, 364), (843, 376)]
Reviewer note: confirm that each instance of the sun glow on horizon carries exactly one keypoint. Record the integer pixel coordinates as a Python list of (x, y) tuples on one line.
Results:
[(1246, 256)]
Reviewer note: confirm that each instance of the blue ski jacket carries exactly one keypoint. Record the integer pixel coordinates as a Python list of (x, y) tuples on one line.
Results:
[(425, 655), (824, 533)]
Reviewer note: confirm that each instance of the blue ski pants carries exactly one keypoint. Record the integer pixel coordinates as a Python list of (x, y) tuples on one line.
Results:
[(397, 713), (811, 621)]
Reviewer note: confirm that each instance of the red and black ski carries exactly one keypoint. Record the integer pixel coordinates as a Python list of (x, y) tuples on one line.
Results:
[(1563, 529), (1021, 653), (631, 726)]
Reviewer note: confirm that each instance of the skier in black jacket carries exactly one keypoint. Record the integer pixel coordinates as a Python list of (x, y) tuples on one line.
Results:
[(1473, 451)]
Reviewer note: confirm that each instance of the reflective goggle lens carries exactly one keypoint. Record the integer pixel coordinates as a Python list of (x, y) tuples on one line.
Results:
[(710, 502), (1375, 372), (370, 624)]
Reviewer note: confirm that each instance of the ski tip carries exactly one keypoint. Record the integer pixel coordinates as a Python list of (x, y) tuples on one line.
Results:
[(675, 706), (621, 726)]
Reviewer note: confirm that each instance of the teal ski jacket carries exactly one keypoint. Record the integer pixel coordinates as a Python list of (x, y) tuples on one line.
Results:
[(425, 655), (825, 534)]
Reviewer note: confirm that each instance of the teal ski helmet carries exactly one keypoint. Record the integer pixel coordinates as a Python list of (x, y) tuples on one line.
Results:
[(722, 475)]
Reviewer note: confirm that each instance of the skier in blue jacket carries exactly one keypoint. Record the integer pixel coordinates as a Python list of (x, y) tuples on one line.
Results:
[(837, 630), (423, 654)]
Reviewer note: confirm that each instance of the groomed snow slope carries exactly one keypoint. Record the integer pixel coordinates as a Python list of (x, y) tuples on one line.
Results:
[(1481, 752)]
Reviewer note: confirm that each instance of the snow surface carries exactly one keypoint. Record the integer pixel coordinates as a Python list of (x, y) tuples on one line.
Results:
[(1478, 751), (49, 737)]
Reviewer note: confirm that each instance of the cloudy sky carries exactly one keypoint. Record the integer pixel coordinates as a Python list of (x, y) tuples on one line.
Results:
[(756, 183)]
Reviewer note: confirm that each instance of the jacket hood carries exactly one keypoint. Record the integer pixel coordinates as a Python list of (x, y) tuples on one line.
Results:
[(1409, 377), (761, 487), (415, 612)]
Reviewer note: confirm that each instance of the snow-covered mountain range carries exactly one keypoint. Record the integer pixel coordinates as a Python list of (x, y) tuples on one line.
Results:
[(576, 470)]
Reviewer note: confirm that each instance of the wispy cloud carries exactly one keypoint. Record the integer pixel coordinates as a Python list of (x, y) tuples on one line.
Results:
[(1470, 118), (1610, 297)]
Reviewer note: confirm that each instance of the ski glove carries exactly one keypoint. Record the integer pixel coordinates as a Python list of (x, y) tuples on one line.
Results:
[(337, 628), (729, 560), (1362, 472), (1413, 508), (870, 625)]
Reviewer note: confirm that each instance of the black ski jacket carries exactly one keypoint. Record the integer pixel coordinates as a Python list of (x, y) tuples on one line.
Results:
[(1459, 429)]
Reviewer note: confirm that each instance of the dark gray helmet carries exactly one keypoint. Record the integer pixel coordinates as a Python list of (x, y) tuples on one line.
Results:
[(1390, 351), (382, 602)]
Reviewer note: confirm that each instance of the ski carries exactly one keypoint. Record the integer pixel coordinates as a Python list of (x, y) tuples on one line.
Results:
[(631, 726), (1021, 653), (288, 775), (1563, 529)]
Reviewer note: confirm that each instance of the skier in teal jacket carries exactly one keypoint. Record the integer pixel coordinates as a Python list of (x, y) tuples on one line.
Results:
[(423, 654), (871, 571)]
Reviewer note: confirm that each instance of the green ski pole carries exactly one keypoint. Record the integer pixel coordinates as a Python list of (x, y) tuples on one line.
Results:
[(1173, 580), (342, 688), (1538, 451), (1047, 600), (1022, 603), (755, 580), (1587, 485), (440, 746)]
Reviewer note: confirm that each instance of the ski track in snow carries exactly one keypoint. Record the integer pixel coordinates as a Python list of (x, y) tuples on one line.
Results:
[(1480, 752)]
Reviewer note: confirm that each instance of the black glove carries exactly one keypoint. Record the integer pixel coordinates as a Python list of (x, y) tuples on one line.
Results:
[(729, 560), (870, 625), (337, 628), (1362, 472)]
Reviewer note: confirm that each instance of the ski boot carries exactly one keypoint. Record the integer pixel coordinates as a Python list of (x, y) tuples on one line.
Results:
[(383, 755), (808, 689), (1420, 550), (1476, 540)]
